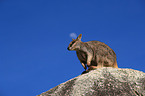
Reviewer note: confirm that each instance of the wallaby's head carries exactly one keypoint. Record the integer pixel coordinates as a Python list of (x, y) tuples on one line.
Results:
[(75, 43)]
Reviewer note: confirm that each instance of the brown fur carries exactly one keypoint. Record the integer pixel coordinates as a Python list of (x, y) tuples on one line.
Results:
[(93, 54)]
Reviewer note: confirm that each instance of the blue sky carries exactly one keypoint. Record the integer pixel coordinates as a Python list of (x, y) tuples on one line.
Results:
[(34, 35)]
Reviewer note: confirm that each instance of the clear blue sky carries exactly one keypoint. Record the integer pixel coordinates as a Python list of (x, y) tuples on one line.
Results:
[(34, 35)]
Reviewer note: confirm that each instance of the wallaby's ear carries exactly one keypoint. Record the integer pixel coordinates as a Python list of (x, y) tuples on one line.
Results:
[(73, 39), (79, 37)]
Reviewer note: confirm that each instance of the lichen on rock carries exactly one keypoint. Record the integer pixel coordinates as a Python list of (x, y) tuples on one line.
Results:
[(106, 81)]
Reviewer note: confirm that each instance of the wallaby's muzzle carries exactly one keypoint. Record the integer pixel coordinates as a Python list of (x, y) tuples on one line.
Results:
[(68, 48)]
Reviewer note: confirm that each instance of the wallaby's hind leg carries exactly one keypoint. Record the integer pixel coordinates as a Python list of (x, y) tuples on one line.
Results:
[(92, 67)]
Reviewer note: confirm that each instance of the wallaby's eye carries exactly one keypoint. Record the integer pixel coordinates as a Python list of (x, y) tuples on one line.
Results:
[(72, 43)]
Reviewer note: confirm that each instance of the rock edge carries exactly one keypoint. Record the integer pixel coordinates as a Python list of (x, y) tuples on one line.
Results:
[(106, 81)]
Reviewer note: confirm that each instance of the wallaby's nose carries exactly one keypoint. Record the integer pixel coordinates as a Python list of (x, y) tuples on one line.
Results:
[(67, 48)]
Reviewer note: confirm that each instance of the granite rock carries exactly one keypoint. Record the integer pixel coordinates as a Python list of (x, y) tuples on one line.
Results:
[(105, 81)]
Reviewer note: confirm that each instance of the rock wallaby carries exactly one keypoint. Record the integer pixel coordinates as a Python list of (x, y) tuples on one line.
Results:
[(93, 54)]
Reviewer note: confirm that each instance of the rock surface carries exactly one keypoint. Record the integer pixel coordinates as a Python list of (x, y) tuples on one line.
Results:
[(102, 82)]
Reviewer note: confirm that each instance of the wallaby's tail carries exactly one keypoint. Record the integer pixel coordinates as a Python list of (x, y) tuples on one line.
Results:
[(115, 64)]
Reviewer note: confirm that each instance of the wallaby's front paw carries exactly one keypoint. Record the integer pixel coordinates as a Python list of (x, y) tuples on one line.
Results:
[(84, 72), (88, 64)]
